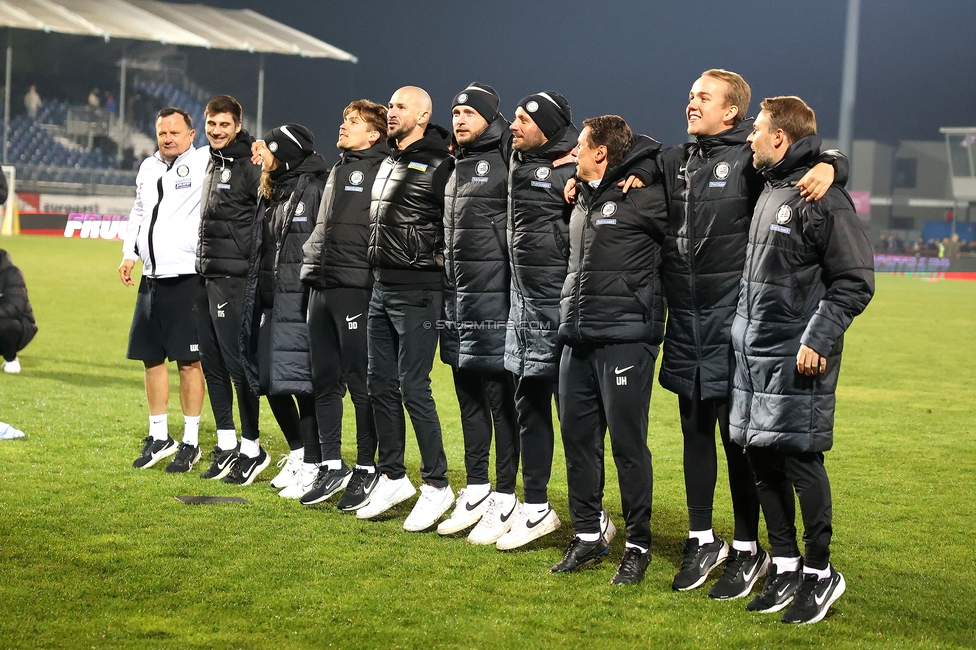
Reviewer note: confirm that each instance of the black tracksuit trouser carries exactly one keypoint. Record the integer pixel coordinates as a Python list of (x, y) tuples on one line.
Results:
[(533, 404), (608, 387), (402, 342), (485, 398), (778, 473), (219, 332), (11, 332), (698, 420), (337, 342)]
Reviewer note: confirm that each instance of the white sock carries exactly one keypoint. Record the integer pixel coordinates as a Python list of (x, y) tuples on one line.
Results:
[(478, 491), (159, 426), (191, 430), (745, 547), (251, 448), (226, 439), (703, 536), (820, 573), (311, 468), (639, 548), (332, 464), (369, 468), (784, 564), (589, 538), (506, 500), (535, 508)]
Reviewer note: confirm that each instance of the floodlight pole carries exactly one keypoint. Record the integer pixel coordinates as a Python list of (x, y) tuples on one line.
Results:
[(259, 129), (6, 96), (848, 88)]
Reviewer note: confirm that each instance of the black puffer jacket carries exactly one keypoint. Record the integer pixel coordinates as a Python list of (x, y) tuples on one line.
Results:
[(809, 270), (406, 239), (612, 292), (712, 189), (14, 304), (538, 250), (335, 253), (476, 274), (274, 282), (230, 192)]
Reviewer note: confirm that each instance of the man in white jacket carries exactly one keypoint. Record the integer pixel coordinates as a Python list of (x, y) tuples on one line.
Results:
[(162, 232)]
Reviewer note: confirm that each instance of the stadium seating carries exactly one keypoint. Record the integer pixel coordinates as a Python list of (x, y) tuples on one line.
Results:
[(169, 95)]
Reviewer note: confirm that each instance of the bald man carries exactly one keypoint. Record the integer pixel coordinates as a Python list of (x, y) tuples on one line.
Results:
[(406, 253)]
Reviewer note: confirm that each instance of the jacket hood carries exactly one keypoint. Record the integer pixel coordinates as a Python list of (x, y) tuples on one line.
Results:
[(311, 164), (800, 156), (239, 148), (558, 146), (735, 136), (491, 138), (436, 138), (377, 152), (642, 148)]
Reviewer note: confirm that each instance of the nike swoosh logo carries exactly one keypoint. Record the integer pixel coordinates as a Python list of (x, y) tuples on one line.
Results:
[(782, 590), (222, 305), (748, 576), (820, 599), (469, 507), (224, 464), (533, 524), (350, 319), (704, 561), (619, 371), (505, 518)]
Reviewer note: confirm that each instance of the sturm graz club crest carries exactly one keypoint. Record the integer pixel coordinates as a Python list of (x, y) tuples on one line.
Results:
[(356, 178), (722, 170), (608, 209), (784, 214), (462, 98), (225, 176), (481, 169), (182, 171), (542, 173), (532, 106), (272, 147), (300, 209)]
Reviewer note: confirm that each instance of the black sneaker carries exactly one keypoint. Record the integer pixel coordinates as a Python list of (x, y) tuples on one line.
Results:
[(357, 492), (246, 469), (698, 562), (814, 597), (778, 591), (154, 451), (580, 554), (632, 567), (223, 461), (327, 483), (742, 571), (185, 457)]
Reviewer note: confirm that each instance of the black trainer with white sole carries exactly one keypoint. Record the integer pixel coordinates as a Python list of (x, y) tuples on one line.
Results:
[(698, 562), (742, 571), (246, 469), (154, 451), (186, 456), (778, 591), (223, 461), (327, 483), (814, 597), (360, 486)]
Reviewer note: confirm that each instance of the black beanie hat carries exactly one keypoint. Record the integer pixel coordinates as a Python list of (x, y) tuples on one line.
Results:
[(549, 110), (290, 143), (481, 98)]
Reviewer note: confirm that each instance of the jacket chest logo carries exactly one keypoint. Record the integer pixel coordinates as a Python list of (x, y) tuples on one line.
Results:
[(420, 167), (784, 214), (609, 209), (357, 177), (722, 170), (225, 176), (300, 209), (542, 173), (182, 171), (481, 169)]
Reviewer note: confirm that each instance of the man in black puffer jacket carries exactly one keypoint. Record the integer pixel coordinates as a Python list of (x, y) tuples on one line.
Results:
[(476, 310), (809, 270), (538, 248), (336, 268), (406, 251), (612, 322), (228, 208), (17, 325)]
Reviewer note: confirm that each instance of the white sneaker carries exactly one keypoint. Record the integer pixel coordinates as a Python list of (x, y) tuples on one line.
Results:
[(608, 529), (526, 529), (302, 483), (431, 505), (13, 367), (385, 495), (467, 513), (291, 463), (7, 432), (496, 521)]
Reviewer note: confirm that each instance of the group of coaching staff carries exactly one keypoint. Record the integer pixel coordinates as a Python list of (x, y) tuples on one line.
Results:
[(541, 259)]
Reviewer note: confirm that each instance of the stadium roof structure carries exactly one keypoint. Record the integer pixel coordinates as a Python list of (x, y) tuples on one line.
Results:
[(191, 25)]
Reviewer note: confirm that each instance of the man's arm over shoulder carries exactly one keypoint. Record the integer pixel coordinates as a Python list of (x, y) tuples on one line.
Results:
[(848, 268), (651, 205)]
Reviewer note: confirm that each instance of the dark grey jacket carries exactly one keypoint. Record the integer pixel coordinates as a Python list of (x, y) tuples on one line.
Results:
[(809, 270)]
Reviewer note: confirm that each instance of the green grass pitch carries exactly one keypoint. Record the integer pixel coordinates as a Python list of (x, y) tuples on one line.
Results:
[(95, 554)]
